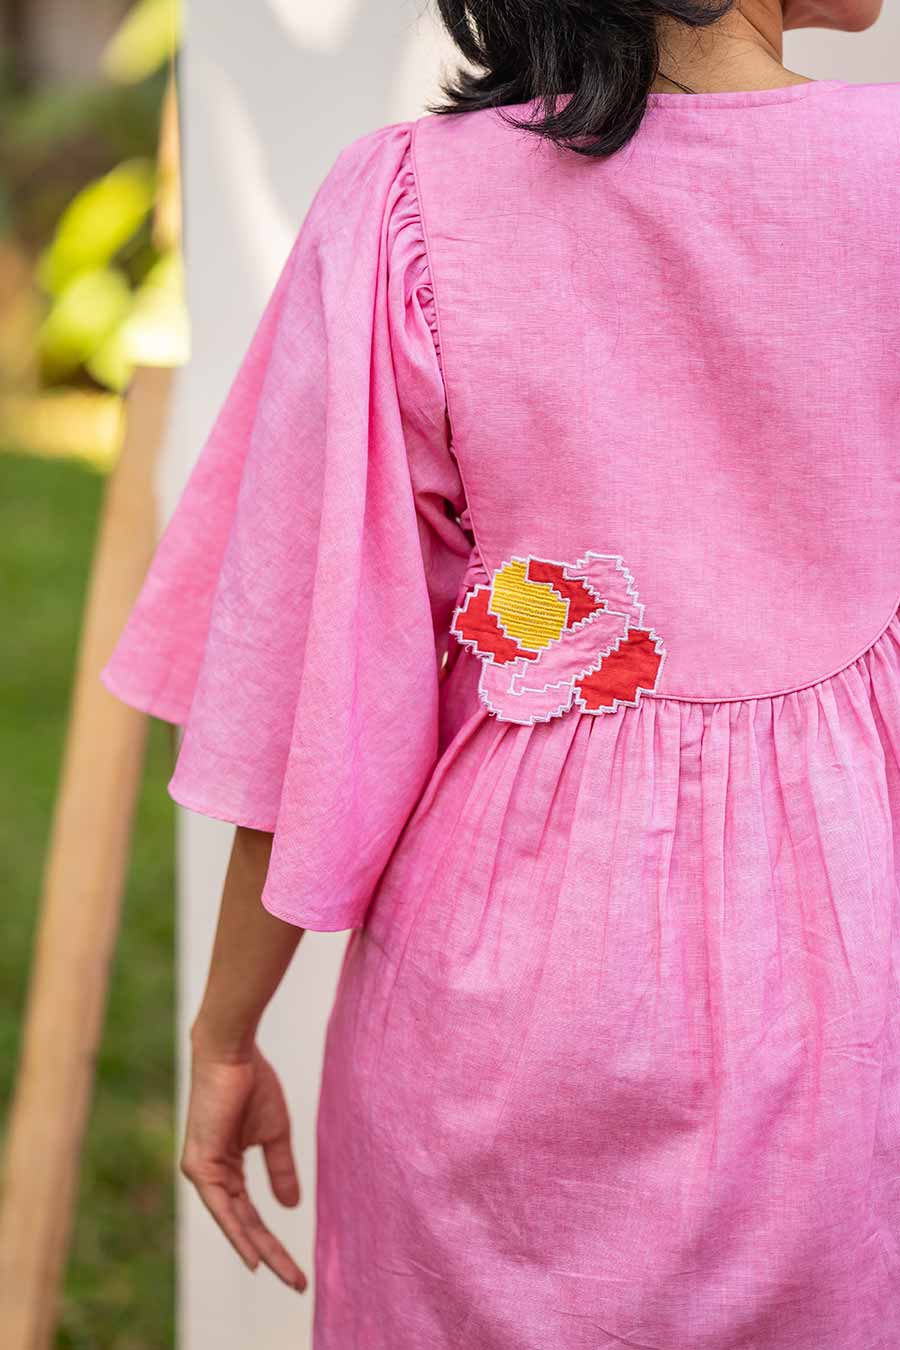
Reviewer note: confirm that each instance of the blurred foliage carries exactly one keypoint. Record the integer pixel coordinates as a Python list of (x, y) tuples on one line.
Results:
[(119, 1285), (89, 224), (57, 138), (150, 31), (90, 284), (99, 222)]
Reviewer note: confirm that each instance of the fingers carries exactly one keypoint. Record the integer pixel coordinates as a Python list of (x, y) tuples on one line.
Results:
[(271, 1251), (221, 1207), (245, 1230), (282, 1170)]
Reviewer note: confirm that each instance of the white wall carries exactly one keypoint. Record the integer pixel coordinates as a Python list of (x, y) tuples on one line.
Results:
[(270, 92), (862, 58)]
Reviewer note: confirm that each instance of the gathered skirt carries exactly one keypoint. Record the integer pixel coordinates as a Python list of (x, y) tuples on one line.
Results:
[(615, 1059)]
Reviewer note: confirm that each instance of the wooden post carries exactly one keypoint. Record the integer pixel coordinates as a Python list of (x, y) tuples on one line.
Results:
[(83, 883), (82, 888)]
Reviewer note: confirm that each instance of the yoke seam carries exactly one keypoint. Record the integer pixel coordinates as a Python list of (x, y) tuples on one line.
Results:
[(790, 689), (444, 362)]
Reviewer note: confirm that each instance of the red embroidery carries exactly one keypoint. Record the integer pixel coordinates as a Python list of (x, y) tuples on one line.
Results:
[(474, 623), (581, 601), (552, 636), (623, 674)]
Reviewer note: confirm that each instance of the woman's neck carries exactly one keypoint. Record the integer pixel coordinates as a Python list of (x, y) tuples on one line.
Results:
[(742, 50)]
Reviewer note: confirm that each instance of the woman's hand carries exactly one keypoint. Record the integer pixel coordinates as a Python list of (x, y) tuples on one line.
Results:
[(234, 1104), (236, 1098)]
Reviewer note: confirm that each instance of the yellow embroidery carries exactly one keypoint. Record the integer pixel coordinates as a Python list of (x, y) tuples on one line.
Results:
[(531, 612)]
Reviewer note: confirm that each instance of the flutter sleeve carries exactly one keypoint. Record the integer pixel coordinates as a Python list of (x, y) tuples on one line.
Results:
[(296, 610)]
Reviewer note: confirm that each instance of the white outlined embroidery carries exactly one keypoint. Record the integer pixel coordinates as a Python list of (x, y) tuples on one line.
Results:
[(553, 635)]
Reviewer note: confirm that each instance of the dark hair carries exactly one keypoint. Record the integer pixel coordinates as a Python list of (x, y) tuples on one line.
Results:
[(604, 53)]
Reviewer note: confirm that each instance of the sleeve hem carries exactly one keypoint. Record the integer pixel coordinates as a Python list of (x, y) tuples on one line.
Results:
[(145, 701), (245, 820), (336, 922)]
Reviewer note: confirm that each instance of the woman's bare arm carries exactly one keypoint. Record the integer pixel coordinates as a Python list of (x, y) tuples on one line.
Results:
[(251, 952)]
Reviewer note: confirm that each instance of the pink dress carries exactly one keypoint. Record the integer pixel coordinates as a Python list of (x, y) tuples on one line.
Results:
[(537, 586)]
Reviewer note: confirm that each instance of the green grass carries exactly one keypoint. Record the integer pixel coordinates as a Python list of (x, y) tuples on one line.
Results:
[(119, 1285)]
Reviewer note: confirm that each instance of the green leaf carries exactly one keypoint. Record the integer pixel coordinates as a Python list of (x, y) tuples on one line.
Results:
[(81, 319), (97, 223), (144, 41), (110, 364)]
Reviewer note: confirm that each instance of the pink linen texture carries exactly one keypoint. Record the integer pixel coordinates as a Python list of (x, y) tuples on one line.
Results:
[(615, 1055)]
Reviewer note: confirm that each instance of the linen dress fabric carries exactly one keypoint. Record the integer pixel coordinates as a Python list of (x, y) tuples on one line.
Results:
[(537, 587)]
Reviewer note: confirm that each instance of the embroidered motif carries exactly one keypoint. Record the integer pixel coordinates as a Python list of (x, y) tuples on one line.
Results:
[(553, 635)]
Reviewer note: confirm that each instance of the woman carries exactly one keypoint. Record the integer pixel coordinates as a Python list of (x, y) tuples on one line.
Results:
[(532, 613)]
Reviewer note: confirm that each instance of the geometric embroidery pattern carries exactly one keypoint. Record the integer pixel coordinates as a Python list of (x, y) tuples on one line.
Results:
[(554, 636)]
